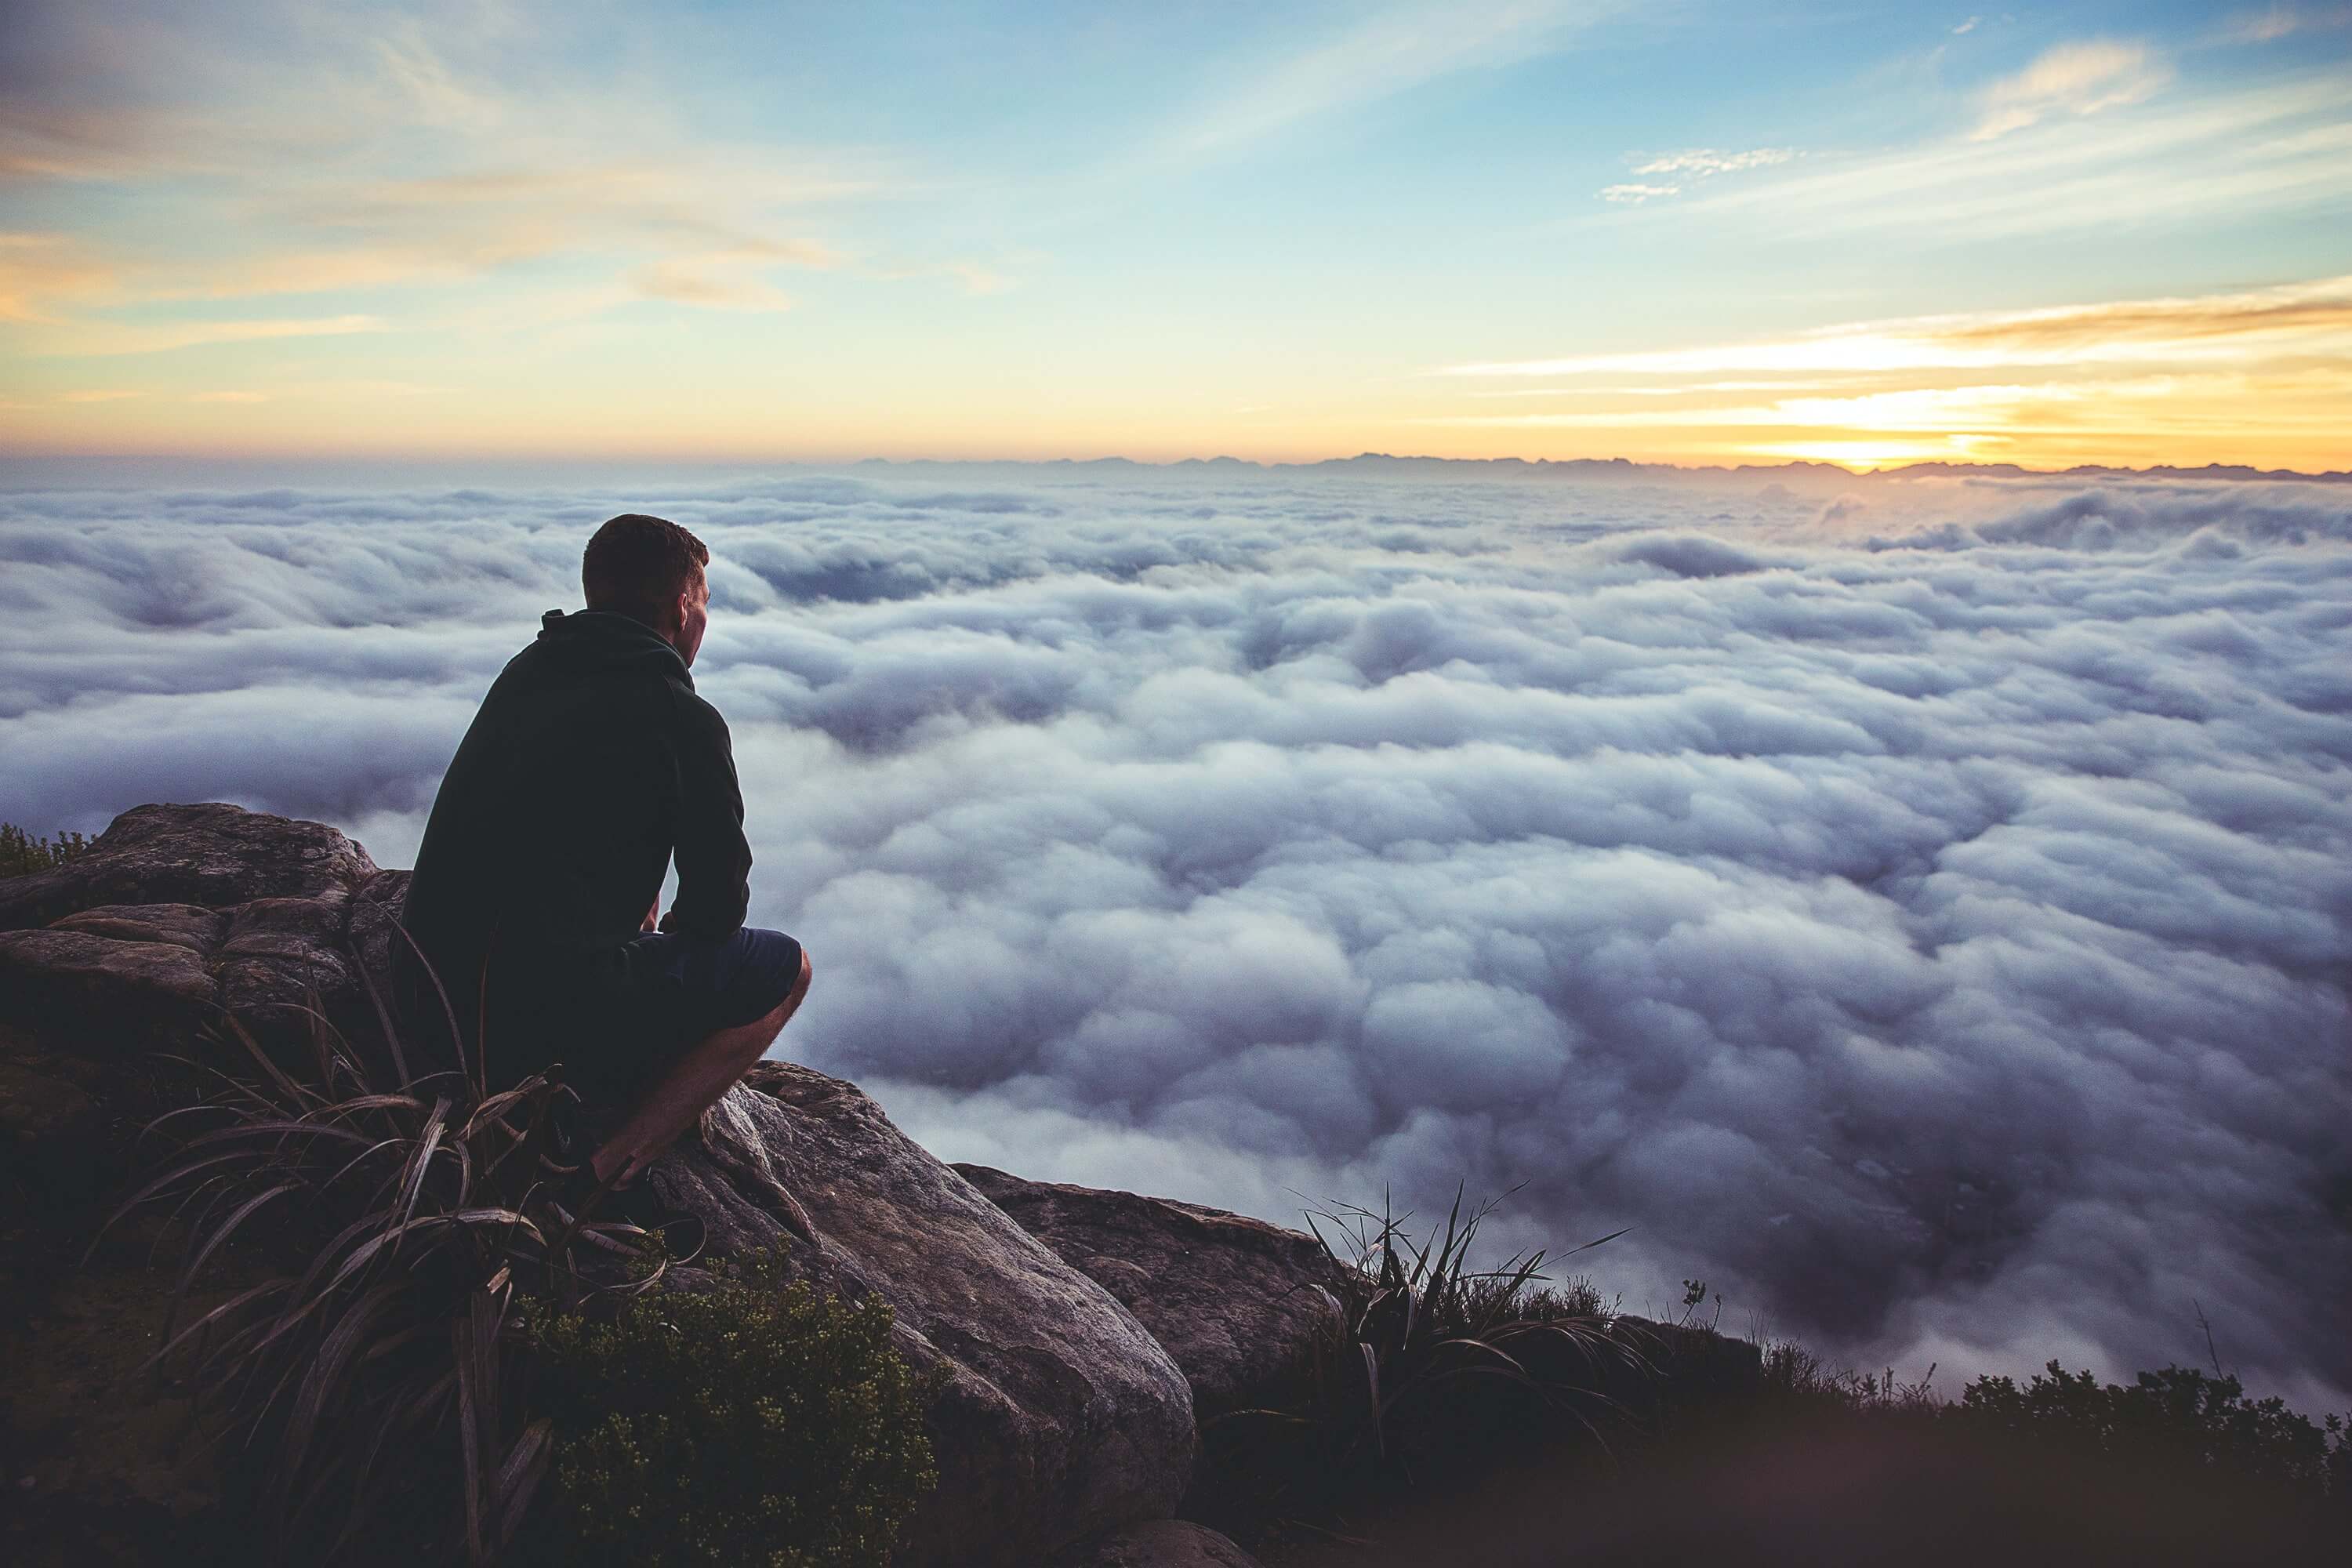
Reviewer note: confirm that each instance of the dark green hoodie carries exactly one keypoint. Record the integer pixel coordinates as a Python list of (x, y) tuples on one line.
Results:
[(591, 761)]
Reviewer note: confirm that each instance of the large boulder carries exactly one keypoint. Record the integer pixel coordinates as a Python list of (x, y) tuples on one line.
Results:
[(214, 856), (179, 916), (1647, 1372), (1236, 1301), (1058, 1414), (1687, 1366)]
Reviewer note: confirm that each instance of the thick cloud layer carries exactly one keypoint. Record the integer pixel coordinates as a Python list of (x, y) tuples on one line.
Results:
[(1921, 909)]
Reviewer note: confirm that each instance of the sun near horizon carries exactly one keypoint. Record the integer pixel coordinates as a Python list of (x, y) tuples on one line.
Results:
[(2071, 235)]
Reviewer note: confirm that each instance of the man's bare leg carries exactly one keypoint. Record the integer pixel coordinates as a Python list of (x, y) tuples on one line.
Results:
[(691, 1086)]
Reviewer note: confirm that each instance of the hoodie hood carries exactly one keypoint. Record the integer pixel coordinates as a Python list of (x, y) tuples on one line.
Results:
[(607, 639)]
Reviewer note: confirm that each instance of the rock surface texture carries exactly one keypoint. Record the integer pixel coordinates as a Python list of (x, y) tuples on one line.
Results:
[(1690, 1363), (1236, 1301), (179, 914), (1059, 1415), (1158, 1544)]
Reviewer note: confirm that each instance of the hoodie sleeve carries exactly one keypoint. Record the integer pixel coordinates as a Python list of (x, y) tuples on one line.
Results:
[(714, 860)]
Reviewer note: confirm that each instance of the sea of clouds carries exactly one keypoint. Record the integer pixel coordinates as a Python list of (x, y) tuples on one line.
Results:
[(1920, 909)]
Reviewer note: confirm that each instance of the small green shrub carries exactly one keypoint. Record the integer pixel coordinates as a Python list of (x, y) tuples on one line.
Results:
[(21, 854), (752, 1423), (2178, 1415)]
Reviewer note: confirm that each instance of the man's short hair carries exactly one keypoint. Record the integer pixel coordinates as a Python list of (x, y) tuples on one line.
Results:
[(638, 564)]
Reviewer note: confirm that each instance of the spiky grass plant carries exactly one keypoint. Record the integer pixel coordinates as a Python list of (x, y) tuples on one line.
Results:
[(1423, 1320), (1429, 1364), (363, 1386)]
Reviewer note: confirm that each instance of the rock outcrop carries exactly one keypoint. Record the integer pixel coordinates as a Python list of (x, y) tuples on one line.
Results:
[(1059, 1415), (179, 915), (213, 857), (1236, 1301), (1683, 1364)]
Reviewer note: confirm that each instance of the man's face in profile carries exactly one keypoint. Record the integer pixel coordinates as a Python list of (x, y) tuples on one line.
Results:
[(694, 607)]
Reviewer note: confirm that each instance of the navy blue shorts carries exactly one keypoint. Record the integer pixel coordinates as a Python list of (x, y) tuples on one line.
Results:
[(640, 1003), (711, 985)]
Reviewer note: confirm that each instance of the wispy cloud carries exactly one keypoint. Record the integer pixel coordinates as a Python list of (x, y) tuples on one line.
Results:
[(2312, 317), (329, 390), (972, 277), (2110, 405), (2276, 22), (1637, 194), (358, 156), (476, 220), (2231, 152), (978, 279), (1696, 164), (440, 96), (1389, 52), (2073, 78), (1968, 27), (710, 283), (41, 272), (138, 92), (1623, 390), (673, 233), (122, 338), (1702, 162)]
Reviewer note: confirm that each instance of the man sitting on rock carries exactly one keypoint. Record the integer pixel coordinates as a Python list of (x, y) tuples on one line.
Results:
[(590, 763)]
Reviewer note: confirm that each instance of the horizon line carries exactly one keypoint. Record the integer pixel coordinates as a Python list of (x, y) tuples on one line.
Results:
[(1922, 466)]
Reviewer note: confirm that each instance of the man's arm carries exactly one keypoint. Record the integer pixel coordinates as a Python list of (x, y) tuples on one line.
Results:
[(714, 860)]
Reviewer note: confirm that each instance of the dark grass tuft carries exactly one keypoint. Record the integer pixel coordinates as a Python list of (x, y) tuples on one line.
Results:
[(1429, 1367), (361, 1386)]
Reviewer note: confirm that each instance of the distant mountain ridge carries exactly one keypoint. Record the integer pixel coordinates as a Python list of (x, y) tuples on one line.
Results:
[(1389, 465), (119, 471)]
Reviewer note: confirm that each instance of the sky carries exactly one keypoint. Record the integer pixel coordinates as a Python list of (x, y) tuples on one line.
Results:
[(1920, 906), (1680, 231)]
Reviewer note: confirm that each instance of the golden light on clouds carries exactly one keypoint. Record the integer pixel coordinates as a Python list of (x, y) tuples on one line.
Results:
[(2262, 375)]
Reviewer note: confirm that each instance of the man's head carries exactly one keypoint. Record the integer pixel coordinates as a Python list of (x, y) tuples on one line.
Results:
[(649, 569)]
